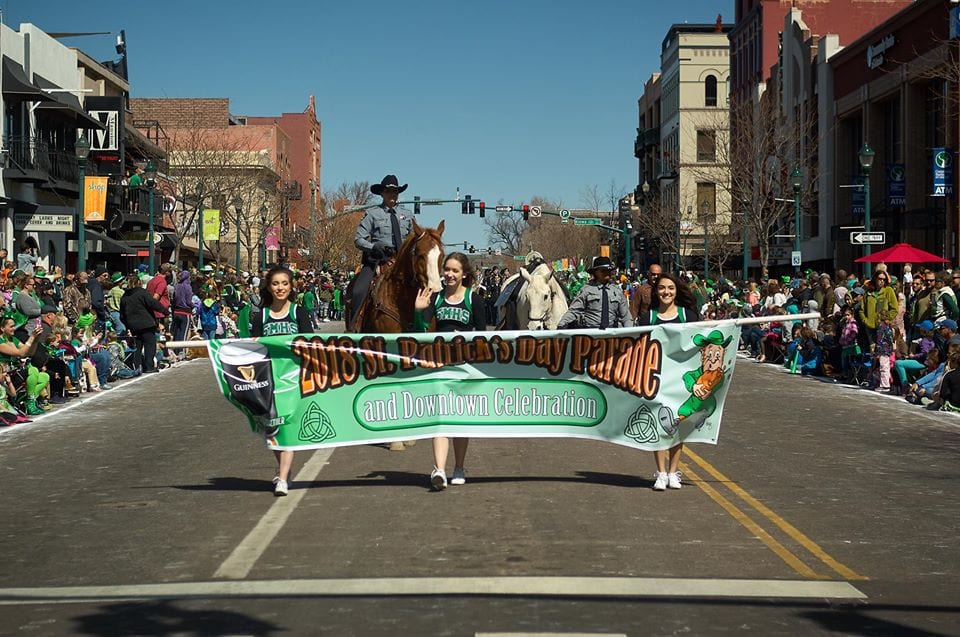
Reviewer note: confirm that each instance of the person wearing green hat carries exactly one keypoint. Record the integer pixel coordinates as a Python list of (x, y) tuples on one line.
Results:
[(113, 302)]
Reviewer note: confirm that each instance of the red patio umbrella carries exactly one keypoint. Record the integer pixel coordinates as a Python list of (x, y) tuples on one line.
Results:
[(902, 253)]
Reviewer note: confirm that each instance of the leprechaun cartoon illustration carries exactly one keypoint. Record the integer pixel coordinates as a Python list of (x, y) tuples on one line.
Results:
[(702, 383)]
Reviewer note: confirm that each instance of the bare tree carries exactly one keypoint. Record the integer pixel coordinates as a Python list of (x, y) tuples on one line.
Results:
[(215, 168), (763, 151), (334, 232), (506, 229)]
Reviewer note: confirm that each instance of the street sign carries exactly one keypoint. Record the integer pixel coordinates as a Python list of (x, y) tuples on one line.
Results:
[(504, 208), (586, 222), (519, 257), (796, 258), (862, 238), (564, 216), (535, 211)]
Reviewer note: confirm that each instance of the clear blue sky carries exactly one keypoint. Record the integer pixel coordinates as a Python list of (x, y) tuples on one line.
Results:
[(507, 99)]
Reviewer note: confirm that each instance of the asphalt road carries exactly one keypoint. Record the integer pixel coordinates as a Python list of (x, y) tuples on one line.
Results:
[(148, 511)]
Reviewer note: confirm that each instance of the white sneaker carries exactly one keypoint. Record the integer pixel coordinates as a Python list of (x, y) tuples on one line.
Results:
[(673, 480), (660, 481), (438, 480), (280, 488), (459, 476)]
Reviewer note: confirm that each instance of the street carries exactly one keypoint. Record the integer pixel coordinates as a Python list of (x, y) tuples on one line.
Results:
[(824, 509)]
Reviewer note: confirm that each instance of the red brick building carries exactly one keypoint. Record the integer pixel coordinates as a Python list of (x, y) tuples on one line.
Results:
[(303, 130), (895, 89), (755, 38)]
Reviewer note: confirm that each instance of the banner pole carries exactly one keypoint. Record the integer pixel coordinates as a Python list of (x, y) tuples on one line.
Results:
[(751, 320)]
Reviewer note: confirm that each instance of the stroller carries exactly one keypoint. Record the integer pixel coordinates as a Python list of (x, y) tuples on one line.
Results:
[(121, 360)]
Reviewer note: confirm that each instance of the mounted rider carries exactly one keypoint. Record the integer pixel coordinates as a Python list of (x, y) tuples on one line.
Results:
[(379, 235)]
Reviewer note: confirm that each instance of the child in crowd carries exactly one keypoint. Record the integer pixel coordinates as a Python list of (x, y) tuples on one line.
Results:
[(883, 349), (849, 338)]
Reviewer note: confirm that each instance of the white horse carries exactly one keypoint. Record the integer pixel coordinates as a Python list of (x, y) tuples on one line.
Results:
[(541, 300)]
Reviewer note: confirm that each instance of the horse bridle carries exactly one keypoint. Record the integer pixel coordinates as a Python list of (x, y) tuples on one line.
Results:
[(543, 319), (378, 306)]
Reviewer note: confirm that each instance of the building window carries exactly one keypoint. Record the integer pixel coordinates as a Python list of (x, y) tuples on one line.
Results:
[(706, 202), (706, 145), (710, 90)]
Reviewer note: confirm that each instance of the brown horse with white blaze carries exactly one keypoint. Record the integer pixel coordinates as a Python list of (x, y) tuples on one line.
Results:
[(388, 309)]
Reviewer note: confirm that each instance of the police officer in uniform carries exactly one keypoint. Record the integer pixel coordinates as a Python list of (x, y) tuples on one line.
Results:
[(601, 303), (379, 235)]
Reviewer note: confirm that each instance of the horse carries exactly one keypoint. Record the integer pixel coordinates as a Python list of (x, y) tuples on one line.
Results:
[(539, 303), (388, 308)]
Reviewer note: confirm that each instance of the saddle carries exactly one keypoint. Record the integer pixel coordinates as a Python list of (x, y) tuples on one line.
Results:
[(356, 318)]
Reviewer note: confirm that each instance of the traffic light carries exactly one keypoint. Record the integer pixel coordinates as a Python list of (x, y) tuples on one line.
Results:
[(464, 246), (471, 205), (526, 212), (483, 209), (416, 205), (463, 207), (472, 249), (641, 242)]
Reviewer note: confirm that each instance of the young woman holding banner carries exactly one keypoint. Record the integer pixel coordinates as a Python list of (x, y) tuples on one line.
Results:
[(279, 317), (675, 304), (456, 309)]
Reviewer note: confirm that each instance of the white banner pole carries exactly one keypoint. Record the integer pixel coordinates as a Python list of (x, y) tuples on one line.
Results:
[(750, 320)]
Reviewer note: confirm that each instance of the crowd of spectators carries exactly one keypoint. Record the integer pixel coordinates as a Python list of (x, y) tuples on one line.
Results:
[(896, 335), (64, 335)]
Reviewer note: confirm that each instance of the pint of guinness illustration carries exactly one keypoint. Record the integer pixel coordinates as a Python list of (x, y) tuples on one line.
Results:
[(249, 372)]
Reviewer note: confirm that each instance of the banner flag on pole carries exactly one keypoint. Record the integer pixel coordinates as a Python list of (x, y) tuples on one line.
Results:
[(211, 225), (94, 198), (647, 388)]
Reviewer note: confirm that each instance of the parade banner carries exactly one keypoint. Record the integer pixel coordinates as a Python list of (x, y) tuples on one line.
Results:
[(211, 225), (94, 198), (647, 388)]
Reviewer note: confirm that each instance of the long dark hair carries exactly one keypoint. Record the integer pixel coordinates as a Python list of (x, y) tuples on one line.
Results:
[(684, 299), (469, 276), (266, 295)]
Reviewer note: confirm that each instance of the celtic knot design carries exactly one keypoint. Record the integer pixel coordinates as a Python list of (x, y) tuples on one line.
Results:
[(642, 427), (315, 425)]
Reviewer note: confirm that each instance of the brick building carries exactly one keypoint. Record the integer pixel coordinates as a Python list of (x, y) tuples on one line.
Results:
[(303, 129), (244, 170)]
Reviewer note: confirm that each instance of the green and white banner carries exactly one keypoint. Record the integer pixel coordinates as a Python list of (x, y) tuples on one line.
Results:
[(647, 388)]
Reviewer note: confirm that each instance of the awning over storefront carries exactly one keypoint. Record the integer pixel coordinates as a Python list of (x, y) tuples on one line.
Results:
[(100, 243), (70, 104), (15, 83)]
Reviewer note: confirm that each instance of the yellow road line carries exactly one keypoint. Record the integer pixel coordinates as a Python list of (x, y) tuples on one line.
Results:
[(779, 549), (786, 527)]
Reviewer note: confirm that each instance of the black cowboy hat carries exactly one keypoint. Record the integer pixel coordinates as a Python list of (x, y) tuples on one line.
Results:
[(390, 181), (601, 263)]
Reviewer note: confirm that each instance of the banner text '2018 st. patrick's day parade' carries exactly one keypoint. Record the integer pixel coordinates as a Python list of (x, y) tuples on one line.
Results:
[(641, 387)]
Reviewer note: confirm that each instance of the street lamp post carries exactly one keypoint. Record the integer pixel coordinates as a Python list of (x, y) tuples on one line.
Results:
[(238, 208), (82, 150), (263, 238), (796, 179), (151, 174), (200, 226), (627, 231), (705, 209), (866, 162)]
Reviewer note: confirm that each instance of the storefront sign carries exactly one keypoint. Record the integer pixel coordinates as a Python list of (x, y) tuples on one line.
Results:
[(37, 222), (876, 51)]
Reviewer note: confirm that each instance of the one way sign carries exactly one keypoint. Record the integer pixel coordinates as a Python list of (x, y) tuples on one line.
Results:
[(862, 238)]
